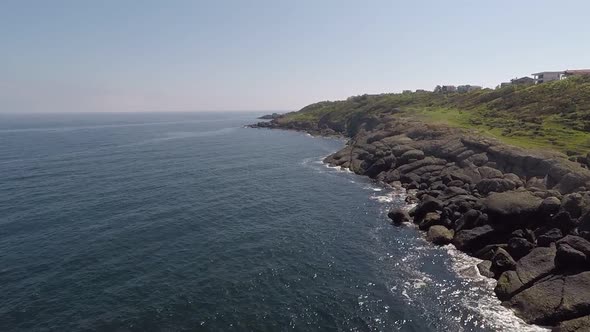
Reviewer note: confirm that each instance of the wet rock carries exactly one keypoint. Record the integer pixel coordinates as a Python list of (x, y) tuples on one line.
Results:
[(440, 235), (508, 284), (502, 261), (430, 219), (398, 216), (484, 269), (488, 251)]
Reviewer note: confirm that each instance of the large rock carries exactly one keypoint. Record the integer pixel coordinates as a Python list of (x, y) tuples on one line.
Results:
[(581, 324), (539, 303), (473, 239), (539, 263), (440, 235), (411, 155), (555, 299), (511, 208)]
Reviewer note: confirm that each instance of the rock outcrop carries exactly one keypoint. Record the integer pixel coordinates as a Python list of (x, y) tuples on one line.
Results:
[(526, 214)]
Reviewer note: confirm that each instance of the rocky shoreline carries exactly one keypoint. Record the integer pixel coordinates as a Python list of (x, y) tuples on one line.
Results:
[(526, 214)]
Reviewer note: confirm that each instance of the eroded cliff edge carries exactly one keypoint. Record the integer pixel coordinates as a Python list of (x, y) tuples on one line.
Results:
[(525, 213)]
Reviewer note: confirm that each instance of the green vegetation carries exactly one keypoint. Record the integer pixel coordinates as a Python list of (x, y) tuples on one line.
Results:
[(553, 115)]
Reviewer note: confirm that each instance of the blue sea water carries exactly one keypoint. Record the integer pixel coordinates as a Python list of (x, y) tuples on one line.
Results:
[(191, 222)]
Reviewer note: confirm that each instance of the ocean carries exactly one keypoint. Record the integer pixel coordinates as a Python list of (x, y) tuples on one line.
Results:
[(191, 222)]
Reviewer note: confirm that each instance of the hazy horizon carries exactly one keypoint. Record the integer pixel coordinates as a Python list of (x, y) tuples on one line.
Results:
[(131, 56)]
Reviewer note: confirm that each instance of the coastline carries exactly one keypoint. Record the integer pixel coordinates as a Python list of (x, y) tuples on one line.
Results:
[(522, 212)]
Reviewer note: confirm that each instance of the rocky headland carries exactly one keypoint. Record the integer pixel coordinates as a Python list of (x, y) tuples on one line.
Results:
[(525, 213)]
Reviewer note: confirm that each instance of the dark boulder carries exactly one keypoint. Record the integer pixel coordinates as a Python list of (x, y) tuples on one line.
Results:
[(564, 221), (467, 220), (473, 239), (440, 235), (428, 204), (576, 204), (584, 222), (577, 243), (568, 258), (551, 236), (519, 247), (487, 186), (488, 251), (549, 206)]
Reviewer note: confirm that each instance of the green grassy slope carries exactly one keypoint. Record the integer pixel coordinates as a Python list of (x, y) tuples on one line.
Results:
[(552, 116)]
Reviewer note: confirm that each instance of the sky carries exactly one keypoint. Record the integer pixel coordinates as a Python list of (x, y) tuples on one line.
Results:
[(267, 55)]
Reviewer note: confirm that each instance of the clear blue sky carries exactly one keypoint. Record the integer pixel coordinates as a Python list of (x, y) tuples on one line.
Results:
[(119, 55)]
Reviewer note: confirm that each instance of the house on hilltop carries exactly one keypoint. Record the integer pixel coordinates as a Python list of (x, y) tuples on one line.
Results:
[(547, 76), (522, 81)]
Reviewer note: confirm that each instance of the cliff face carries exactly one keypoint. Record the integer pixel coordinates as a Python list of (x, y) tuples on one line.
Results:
[(525, 213)]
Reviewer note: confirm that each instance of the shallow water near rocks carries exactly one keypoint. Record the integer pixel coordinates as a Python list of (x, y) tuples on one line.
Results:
[(188, 221)]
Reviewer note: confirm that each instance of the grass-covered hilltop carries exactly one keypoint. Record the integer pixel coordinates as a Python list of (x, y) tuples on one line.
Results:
[(554, 115), (500, 174)]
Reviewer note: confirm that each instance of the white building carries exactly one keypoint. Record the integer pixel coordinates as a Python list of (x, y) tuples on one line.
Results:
[(547, 76)]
